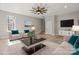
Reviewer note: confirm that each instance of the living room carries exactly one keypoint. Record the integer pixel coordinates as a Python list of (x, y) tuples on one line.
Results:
[(54, 26)]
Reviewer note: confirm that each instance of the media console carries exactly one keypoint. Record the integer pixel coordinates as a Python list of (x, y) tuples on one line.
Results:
[(65, 32)]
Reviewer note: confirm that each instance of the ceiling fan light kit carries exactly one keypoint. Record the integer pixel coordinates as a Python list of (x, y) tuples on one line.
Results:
[(39, 10)]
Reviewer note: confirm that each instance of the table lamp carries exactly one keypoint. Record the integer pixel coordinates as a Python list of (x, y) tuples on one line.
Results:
[(75, 28), (31, 34), (33, 28)]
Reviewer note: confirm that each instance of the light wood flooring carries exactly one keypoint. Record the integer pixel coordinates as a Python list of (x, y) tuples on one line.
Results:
[(57, 39)]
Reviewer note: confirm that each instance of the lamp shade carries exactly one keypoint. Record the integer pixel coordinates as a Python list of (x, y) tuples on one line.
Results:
[(75, 28), (33, 28)]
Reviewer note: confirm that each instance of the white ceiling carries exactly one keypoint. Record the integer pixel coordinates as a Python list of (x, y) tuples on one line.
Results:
[(53, 8)]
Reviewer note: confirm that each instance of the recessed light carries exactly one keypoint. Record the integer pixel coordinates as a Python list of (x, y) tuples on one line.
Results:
[(65, 6)]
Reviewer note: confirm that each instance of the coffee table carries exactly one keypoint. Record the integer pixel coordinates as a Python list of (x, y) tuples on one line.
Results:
[(35, 45)]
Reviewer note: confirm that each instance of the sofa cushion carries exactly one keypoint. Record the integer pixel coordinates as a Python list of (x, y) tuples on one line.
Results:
[(72, 39), (76, 52), (25, 35), (61, 51), (64, 49), (15, 36), (15, 31), (76, 44), (26, 31), (66, 46)]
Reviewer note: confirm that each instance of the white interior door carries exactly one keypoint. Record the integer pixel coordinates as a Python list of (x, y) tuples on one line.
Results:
[(48, 26)]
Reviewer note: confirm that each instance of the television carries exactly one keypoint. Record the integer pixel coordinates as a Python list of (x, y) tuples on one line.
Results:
[(67, 23)]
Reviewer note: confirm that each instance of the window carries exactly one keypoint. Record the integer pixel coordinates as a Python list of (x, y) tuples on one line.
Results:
[(11, 23)]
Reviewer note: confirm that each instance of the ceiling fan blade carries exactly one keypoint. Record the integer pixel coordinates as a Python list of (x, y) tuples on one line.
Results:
[(33, 8), (43, 8), (41, 12)]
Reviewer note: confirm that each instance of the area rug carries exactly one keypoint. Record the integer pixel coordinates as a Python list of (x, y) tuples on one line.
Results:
[(13, 42)]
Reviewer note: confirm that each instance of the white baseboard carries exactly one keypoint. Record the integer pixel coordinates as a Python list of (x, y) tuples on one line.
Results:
[(4, 35)]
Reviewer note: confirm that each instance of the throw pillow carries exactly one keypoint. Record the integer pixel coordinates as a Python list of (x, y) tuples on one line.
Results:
[(26, 31), (76, 52), (76, 44), (15, 32), (72, 39)]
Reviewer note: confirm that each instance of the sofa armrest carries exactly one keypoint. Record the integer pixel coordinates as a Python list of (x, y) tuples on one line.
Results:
[(15, 36), (64, 49), (76, 52)]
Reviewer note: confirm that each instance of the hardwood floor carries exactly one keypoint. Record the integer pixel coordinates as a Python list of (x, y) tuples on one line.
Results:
[(57, 39)]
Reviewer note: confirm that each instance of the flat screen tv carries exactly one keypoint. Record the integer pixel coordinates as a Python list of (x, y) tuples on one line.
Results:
[(67, 23)]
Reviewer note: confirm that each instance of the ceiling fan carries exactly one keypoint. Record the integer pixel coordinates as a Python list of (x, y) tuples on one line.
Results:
[(39, 10)]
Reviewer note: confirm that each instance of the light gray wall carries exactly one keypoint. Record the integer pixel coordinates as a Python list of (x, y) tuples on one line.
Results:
[(73, 15), (43, 25), (50, 24), (54, 25), (20, 19)]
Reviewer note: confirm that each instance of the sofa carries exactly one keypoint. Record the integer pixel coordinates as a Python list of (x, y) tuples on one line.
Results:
[(25, 33), (14, 35), (68, 47), (63, 49)]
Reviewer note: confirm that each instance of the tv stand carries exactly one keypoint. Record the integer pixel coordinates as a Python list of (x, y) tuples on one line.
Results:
[(65, 32)]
